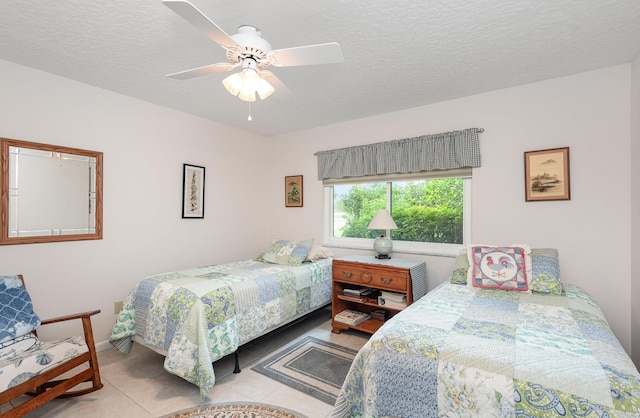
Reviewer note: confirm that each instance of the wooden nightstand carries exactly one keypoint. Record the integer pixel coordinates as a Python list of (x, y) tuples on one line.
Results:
[(401, 276)]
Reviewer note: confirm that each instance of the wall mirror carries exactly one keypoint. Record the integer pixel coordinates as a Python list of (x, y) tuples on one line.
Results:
[(49, 193)]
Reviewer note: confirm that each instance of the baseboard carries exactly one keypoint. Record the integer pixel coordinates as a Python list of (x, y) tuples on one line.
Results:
[(103, 345)]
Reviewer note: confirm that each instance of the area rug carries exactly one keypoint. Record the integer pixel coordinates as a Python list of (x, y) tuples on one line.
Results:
[(315, 367), (236, 410)]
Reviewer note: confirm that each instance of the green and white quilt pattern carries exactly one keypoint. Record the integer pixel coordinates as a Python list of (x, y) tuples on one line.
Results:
[(459, 352), (203, 314)]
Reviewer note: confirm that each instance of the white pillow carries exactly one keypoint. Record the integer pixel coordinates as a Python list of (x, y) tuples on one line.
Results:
[(318, 253), (289, 253)]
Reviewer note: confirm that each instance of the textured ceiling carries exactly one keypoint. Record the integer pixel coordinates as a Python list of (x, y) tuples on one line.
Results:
[(398, 54)]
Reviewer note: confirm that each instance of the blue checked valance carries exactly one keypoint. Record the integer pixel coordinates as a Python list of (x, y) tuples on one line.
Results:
[(445, 151)]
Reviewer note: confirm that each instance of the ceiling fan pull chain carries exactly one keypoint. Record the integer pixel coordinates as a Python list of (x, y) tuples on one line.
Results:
[(249, 118)]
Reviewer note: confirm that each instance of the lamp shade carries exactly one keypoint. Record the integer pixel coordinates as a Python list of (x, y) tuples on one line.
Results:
[(264, 89), (233, 83), (382, 221)]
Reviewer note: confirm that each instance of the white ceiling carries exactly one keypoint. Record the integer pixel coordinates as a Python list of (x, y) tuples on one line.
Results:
[(398, 54)]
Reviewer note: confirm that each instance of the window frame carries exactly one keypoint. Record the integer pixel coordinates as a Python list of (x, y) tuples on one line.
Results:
[(407, 247)]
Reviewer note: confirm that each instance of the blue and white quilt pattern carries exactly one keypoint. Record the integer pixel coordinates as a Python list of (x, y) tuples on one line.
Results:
[(463, 352), (203, 314), (16, 311)]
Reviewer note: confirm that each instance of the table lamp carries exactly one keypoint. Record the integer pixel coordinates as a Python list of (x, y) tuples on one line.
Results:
[(383, 222)]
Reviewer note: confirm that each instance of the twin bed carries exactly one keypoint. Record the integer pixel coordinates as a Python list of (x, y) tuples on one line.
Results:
[(197, 316), (484, 351)]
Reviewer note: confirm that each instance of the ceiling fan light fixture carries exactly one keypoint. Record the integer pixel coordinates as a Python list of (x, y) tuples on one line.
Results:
[(246, 84), (233, 83), (250, 79), (249, 85), (265, 89), (248, 95), (242, 85)]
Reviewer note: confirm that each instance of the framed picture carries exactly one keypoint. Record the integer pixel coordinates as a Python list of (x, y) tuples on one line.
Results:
[(293, 191), (546, 175), (192, 191)]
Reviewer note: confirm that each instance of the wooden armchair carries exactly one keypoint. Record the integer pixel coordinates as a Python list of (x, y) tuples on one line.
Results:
[(54, 358)]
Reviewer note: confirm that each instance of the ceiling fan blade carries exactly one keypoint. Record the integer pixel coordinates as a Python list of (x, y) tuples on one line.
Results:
[(191, 14), (328, 53), (200, 71), (281, 90)]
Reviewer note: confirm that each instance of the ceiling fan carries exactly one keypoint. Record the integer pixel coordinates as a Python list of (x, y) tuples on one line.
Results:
[(252, 53)]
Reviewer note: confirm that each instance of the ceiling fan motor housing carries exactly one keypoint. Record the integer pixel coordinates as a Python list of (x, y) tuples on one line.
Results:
[(251, 45)]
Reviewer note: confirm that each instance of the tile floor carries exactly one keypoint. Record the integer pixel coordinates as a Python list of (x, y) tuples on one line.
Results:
[(137, 386)]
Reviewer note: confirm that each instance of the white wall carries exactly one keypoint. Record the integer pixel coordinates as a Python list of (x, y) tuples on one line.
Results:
[(144, 149), (587, 112), (635, 210)]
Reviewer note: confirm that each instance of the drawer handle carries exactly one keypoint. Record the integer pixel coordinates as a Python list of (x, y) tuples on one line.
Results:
[(366, 277), (347, 275), (386, 281)]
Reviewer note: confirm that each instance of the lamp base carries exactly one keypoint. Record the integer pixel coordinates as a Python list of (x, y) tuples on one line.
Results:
[(383, 247)]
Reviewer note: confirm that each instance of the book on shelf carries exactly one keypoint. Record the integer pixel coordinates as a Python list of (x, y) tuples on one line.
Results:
[(379, 315), (391, 304), (360, 291), (394, 297), (352, 298), (351, 317)]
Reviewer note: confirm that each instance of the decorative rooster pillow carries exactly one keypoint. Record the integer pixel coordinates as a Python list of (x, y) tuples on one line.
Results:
[(497, 267)]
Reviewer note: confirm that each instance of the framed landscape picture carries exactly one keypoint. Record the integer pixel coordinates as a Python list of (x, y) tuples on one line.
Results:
[(192, 191), (293, 191), (546, 175)]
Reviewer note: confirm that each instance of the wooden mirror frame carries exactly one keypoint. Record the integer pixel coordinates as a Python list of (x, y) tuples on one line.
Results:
[(5, 143)]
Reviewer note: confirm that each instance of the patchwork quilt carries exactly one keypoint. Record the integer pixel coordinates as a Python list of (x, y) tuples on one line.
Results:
[(464, 352), (200, 315)]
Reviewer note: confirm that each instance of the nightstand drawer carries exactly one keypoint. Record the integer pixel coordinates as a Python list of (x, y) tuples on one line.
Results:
[(378, 277)]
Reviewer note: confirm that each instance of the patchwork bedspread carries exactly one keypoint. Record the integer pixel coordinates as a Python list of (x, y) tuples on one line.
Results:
[(460, 352), (203, 314)]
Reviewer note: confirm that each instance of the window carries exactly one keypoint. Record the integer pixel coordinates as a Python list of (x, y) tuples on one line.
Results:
[(431, 213), (424, 182)]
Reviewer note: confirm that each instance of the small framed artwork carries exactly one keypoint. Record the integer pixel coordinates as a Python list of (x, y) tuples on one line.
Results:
[(546, 175), (192, 191), (293, 191)]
